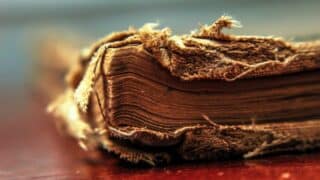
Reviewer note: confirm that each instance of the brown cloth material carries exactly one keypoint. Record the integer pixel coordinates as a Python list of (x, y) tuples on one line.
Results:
[(149, 96)]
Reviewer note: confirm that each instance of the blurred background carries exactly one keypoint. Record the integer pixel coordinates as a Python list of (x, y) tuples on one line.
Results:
[(23, 22)]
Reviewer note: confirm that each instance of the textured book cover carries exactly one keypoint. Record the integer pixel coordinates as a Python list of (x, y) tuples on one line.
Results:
[(150, 96)]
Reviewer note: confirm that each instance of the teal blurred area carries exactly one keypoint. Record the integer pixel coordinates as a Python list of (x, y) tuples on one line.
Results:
[(22, 20)]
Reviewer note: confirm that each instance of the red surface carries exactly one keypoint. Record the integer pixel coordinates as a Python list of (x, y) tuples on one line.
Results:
[(32, 148)]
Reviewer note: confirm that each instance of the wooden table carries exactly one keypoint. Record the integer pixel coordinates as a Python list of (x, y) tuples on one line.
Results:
[(32, 148)]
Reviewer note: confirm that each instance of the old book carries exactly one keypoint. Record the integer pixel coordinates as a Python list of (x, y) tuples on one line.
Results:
[(149, 96)]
